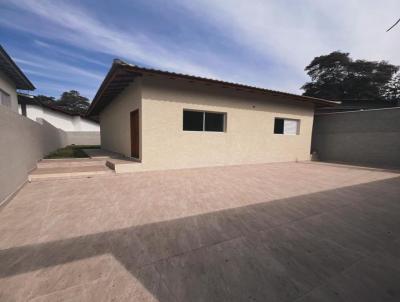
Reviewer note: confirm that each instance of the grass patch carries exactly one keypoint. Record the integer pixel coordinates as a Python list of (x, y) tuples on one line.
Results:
[(71, 151)]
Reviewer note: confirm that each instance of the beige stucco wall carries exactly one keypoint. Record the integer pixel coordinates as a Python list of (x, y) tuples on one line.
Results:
[(115, 120), (248, 138), (9, 87), (249, 134)]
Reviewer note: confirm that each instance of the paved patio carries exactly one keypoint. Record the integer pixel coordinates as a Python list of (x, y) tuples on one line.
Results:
[(274, 232)]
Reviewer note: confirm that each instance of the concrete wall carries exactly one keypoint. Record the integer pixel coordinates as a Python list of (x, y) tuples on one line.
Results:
[(9, 87), (370, 137), (249, 136), (23, 142), (115, 120), (59, 120), (80, 137)]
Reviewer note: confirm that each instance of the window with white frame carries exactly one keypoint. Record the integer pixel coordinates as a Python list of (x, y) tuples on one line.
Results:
[(203, 121), (5, 98), (286, 126)]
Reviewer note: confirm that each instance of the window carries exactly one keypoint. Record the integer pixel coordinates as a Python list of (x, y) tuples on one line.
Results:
[(286, 126), (214, 121), (193, 120), (5, 98), (203, 121)]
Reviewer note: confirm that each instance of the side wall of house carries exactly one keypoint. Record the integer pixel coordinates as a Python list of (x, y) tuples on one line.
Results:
[(9, 87), (115, 119), (368, 137), (249, 136)]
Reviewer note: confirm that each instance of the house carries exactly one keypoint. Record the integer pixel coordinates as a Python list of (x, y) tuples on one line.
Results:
[(11, 79), (167, 120), (67, 121)]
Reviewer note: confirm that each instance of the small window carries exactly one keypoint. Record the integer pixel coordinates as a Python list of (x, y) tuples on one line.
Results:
[(203, 121), (193, 120), (5, 98), (286, 126), (214, 121)]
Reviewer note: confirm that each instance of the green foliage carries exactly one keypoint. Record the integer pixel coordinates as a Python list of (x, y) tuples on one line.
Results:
[(338, 77), (48, 100), (391, 91), (70, 101), (72, 151)]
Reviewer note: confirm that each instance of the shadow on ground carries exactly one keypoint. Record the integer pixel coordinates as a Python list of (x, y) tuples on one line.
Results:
[(337, 245)]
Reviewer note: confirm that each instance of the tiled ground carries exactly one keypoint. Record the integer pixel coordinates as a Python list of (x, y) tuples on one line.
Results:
[(274, 232)]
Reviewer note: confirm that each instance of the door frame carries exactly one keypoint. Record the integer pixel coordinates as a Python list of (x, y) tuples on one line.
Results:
[(135, 139)]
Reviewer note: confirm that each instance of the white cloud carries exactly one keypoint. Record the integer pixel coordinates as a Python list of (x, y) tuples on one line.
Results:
[(52, 67), (55, 77), (292, 33), (57, 88), (72, 24), (288, 33), (56, 49)]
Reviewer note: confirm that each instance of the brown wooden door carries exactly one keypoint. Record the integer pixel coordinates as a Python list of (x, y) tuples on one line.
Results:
[(135, 134)]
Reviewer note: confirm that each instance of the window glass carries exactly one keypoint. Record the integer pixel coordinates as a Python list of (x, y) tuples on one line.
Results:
[(290, 127), (214, 122), (286, 126), (203, 121), (278, 128), (5, 99), (193, 120)]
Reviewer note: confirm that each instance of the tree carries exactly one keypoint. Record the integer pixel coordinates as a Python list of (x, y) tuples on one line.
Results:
[(397, 22), (47, 100), (72, 101), (338, 77), (391, 91)]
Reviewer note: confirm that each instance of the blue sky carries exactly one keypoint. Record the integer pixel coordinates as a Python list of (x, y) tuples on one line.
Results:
[(64, 45)]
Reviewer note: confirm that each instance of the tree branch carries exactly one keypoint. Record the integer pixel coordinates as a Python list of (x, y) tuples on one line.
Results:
[(393, 25)]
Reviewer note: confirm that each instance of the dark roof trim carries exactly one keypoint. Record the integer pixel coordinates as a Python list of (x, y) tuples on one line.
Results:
[(121, 74), (31, 100), (10, 69)]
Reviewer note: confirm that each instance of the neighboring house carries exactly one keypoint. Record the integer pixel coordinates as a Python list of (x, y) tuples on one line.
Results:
[(59, 118), (168, 120), (11, 79), (355, 105)]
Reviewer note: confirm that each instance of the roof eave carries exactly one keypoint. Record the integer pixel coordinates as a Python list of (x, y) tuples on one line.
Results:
[(25, 84), (103, 97), (133, 70)]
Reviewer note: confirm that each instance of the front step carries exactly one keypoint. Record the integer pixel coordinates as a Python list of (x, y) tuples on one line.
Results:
[(40, 174), (65, 163)]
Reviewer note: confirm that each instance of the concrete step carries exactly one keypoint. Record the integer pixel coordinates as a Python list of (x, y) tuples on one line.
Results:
[(124, 165), (65, 163), (53, 173)]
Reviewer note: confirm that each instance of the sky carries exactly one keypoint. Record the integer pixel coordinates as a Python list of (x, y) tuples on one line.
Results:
[(65, 45)]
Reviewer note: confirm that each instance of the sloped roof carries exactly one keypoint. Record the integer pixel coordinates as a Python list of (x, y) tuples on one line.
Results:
[(121, 74), (31, 100), (11, 70)]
